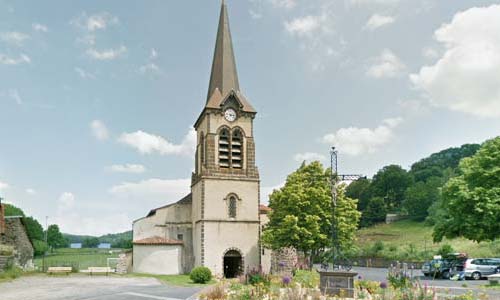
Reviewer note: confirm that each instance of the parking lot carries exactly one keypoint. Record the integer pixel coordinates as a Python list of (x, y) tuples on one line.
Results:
[(78, 287), (442, 285)]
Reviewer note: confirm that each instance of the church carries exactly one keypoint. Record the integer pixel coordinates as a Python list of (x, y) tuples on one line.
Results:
[(219, 224)]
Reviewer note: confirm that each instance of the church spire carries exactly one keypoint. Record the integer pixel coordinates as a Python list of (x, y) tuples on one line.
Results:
[(224, 75)]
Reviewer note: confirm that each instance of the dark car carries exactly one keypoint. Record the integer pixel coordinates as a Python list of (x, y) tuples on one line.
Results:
[(445, 267)]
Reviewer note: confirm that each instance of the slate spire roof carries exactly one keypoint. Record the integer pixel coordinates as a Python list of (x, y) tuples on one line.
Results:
[(224, 75)]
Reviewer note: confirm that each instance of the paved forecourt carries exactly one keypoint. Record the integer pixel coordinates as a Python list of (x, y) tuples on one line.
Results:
[(77, 287)]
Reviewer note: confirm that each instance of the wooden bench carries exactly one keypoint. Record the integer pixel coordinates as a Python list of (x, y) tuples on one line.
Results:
[(59, 270), (99, 270), (494, 279)]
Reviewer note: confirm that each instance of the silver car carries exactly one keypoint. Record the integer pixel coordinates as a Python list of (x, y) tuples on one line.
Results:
[(477, 268)]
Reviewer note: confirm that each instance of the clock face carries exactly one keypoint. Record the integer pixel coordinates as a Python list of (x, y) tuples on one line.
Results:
[(230, 115)]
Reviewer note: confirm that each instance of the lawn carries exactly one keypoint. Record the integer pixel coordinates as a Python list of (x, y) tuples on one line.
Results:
[(79, 259), (176, 280), (405, 238)]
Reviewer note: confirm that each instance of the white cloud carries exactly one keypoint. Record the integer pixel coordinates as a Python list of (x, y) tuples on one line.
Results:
[(356, 141), (66, 202), (3, 186), (153, 190), (466, 77), (149, 68), (430, 53), (6, 60), (98, 21), (376, 21), (255, 15), (107, 54), (40, 27), (30, 192), (266, 191), (284, 3), (387, 65), (304, 25), (14, 38), (84, 74), (128, 168), (147, 143), (14, 95), (154, 54), (99, 130), (309, 156)]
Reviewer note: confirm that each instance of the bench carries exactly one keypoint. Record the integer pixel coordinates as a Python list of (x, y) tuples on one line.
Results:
[(59, 270), (494, 279), (99, 270)]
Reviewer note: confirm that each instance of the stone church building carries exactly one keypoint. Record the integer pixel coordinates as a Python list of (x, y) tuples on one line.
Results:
[(218, 225)]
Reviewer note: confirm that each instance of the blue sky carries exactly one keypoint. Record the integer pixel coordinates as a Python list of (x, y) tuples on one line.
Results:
[(97, 99)]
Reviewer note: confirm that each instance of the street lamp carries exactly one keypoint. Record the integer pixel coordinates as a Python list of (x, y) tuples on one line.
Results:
[(335, 178)]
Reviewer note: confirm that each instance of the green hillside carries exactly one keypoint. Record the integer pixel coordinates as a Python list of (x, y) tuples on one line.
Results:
[(413, 240)]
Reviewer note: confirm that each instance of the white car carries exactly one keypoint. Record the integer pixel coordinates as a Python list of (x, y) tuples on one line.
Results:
[(477, 268)]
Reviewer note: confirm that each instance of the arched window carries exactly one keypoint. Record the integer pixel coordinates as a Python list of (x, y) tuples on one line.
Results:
[(232, 207), (224, 140), (237, 149)]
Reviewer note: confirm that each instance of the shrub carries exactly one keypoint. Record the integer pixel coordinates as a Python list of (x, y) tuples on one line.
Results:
[(256, 277), (216, 293), (307, 279), (201, 275), (371, 286), (445, 250)]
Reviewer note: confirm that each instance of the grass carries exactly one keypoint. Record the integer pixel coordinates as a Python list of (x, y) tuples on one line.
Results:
[(79, 259), (409, 239), (175, 280)]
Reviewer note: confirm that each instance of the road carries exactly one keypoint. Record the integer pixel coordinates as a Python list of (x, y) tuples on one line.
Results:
[(77, 287), (442, 285)]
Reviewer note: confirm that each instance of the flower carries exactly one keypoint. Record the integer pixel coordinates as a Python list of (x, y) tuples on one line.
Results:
[(282, 264), (360, 277), (286, 280), (383, 285)]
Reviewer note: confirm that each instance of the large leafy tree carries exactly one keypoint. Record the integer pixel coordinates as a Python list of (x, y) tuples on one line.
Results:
[(11, 210), (471, 201), (90, 242), (301, 211), (55, 238), (391, 183), (346, 220), (359, 189), (374, 213), (301, 214), (420, 196)]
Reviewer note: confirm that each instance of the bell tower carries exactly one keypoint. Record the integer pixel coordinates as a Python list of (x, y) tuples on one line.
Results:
[(225, 183)]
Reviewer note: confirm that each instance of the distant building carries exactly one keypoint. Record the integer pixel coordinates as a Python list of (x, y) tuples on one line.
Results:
[(104, 246), (76, 246)]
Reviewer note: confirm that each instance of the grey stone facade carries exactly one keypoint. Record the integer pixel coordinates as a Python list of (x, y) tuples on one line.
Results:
[(15, 235)]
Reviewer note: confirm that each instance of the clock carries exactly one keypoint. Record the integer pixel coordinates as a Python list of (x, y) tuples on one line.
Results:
[(230, 115)]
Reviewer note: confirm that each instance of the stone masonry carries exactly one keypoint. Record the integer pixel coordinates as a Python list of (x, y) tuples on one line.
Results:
[(16, 236)]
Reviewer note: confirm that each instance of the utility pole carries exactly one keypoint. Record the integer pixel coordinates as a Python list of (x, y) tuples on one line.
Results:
[(46, 242)]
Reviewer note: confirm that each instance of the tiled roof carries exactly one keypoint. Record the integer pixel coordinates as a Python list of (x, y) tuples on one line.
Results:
[(264, 209), (156, 240)]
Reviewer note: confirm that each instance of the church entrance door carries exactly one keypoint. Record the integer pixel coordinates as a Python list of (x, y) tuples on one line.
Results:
[(233, 264)]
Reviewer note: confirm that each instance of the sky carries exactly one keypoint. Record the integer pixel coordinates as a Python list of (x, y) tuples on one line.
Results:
[(98, 98)]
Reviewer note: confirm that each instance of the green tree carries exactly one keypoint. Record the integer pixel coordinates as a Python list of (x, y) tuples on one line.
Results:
[(391, 183), (11, 210), (374, 213), (55, 238), (471, 201), (360, 190), (40, 247), (90, 242), (301, 214), (346, 220), (34, 229), (420, 196)]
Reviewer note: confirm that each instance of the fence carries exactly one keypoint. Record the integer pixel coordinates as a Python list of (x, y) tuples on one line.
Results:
[(77, 260)]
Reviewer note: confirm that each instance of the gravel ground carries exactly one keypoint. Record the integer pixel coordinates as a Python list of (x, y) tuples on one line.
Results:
[(78, 287)]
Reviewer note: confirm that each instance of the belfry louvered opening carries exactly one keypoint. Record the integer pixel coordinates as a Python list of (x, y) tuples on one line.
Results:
[(224, 141), (237, 149)]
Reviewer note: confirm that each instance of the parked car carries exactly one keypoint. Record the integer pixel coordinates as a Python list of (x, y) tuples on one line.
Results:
[(445, 267), (477, 268)]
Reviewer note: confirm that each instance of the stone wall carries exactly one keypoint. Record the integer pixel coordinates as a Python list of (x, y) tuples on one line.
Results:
[(16, 236), (124, 265), (284, 261)]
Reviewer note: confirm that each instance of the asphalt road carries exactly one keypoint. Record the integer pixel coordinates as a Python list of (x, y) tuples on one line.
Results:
[(78, 287), (441, 285)]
